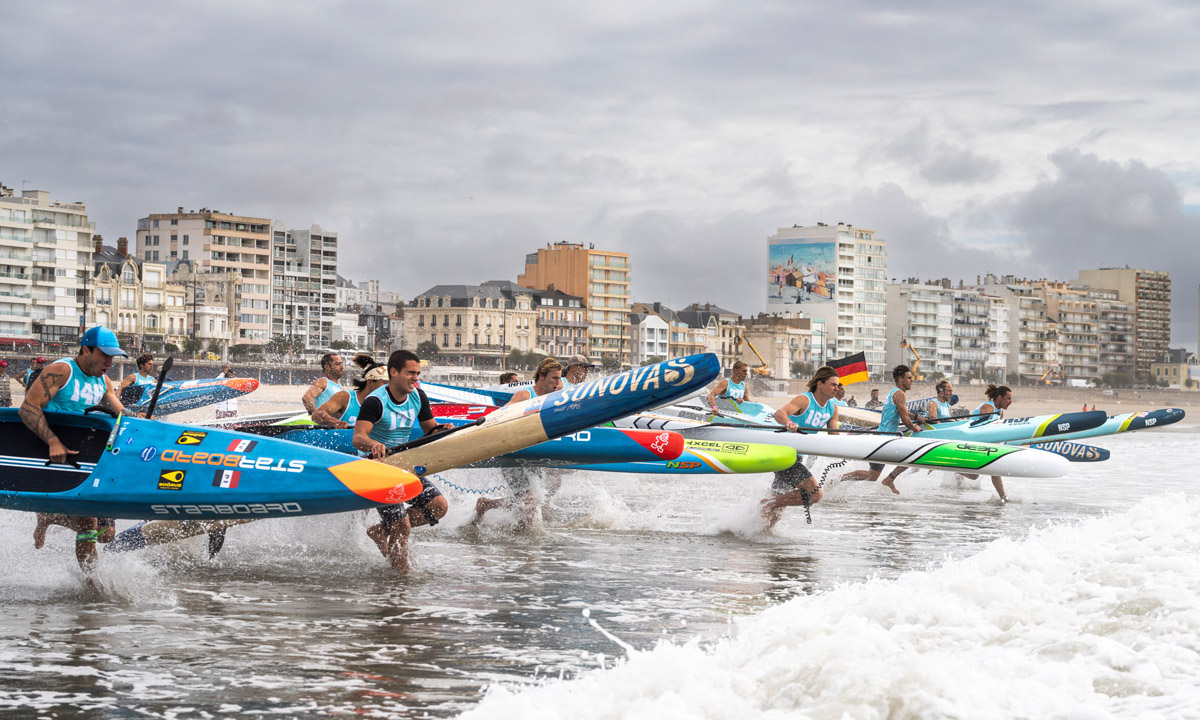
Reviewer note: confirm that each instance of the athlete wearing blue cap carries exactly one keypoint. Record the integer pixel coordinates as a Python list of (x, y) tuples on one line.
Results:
[(74, 385)]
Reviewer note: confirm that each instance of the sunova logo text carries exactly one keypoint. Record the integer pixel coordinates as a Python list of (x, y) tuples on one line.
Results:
[(670, 373)]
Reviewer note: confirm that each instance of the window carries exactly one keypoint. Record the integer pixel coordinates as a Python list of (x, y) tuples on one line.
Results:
[(185, 239), (185, 254), (174, 221)]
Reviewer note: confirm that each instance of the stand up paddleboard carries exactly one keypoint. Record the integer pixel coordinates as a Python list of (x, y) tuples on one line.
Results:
[(187, 394), (134, 468), (514, 427), (1073, 451), (706, 457), (1125, 422)]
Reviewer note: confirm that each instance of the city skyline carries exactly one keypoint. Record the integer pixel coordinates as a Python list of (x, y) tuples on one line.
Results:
[(684, 134)]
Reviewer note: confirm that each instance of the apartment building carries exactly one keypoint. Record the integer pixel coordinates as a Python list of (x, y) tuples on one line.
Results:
[(304, 284), (219, 242), (212, 300), (45, 256), (601, 278), (133, 298), (920, 324), (837, 276), (722, 328), (1026, 359), (649, 335), (1148, 293), (474, 325)]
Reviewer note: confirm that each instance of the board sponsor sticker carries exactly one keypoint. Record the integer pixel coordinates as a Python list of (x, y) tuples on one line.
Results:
[(226, 478), (171, 479), (149, 453), (191, 437), (242, 445)]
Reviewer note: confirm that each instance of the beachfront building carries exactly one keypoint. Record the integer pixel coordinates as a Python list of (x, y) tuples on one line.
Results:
[(650, 334), (45, 256), (920, 324), (562, 325), (133, 298), (980, 335), (722, 330), (1148, 293), (1026, 359), (682, 338), (1177, 369), (304, 284), (601, 278), (218, 242), (1077, 318), (211, 304), (780, 341), (1115, 333), (837, 276), (473, 325), (355, 295)]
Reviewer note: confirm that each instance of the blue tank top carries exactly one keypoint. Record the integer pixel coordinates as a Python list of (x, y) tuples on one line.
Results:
[(735, 391), (994, 412), (890, 421), (816, 415), (140, 379), (396, 424), (80, 391), (839, 403), (352, 408), (943, 409), (331, 388)]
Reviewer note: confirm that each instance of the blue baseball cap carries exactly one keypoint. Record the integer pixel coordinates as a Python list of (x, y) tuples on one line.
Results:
[(103, 338)]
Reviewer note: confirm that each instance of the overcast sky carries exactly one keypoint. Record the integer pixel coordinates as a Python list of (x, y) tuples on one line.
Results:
[(443, 141)]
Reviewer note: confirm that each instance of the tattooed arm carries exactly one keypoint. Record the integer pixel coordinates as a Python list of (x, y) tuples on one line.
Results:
[(43, 389)]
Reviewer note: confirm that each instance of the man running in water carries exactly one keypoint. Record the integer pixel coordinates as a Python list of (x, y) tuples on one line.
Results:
[(508, 378), (546, 379), (575, 371), (324, 387), (999, 398), (814, 409), (939, 406), (731, 388), (144, 377), (895, 411), (386, 419), (73, 385)]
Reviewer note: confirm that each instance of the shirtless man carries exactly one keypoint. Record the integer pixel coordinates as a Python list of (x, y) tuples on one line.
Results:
[(895, 411), (73, 385), (324, 387), (814, 409), (386, 419), (546, 379)]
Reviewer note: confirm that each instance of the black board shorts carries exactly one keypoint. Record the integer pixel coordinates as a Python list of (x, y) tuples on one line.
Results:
[(875, 467), (391, 514), (790, 479)]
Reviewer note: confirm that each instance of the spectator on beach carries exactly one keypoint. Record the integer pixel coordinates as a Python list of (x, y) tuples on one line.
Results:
[(35, 369), (874, 403)]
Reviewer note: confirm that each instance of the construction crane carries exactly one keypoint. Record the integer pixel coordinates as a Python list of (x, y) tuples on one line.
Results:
[(763, 370), (905, 344)]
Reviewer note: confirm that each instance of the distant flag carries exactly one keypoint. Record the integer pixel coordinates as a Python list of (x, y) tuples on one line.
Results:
[(851, 369)]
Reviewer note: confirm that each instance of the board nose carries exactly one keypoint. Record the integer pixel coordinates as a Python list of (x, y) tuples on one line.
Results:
[(377, 481)]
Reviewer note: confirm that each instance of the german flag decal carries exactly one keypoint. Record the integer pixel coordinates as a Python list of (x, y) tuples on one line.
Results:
[(851, 369), (171, 479), (191, 437), (242, 446)]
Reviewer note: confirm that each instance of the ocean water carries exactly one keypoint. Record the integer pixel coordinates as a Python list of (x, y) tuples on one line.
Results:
[(648, 597)]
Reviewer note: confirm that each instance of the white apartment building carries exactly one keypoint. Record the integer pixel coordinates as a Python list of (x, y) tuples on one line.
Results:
[(920, 322), (837, 276), (45, 254), (218, 242), (304, 284), (1027, 327), (650, 337)]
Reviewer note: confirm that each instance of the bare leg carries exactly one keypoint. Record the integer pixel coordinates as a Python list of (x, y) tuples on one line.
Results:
[(379, 536), (890, 481), (865, 475), (998, 483), (772, 507), (44, 521), (397, 544), (483, 504)]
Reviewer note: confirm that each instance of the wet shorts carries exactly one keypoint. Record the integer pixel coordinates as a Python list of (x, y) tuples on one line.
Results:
[(790, 479), (391, 514), (520, 479), (875, 467)]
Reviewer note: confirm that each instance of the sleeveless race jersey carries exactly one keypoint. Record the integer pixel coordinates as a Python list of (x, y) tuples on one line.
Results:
[(79, 393), (352, 408), (140, 379), (331, 388), (395, 425), (816, 415), (994, 412), (890, 421), (943, 409), (735, 391)]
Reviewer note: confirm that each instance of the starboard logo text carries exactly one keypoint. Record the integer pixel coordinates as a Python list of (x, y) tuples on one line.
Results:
[(246, 509), (234, 461)]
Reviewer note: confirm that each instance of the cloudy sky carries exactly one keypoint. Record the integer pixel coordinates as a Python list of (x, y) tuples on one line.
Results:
[(443, 141)]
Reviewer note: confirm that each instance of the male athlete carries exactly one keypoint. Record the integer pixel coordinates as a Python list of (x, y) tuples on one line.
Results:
[(74, 385), (999, 398), (324, 387), (575, 371), (895, 411), (143, 377), (814, 409), (386, 419), (731, 388), (546, 379)]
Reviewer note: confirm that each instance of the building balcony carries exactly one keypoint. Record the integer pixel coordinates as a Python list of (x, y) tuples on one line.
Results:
[(14, 277)]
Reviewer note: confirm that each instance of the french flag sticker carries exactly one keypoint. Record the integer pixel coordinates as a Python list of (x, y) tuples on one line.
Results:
[(241, 446), (226, 478)]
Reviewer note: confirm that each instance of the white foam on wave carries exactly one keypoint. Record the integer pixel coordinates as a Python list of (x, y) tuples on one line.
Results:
[(1095, 620)]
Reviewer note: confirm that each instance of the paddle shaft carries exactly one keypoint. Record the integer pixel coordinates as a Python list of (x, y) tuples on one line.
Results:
[(162, 376)]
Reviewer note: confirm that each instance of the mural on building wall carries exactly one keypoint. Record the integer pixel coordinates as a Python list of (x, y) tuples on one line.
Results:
[(800, 272)]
